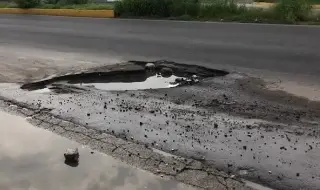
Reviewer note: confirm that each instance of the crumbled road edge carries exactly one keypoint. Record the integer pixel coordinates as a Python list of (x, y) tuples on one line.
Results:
[(188, 171)]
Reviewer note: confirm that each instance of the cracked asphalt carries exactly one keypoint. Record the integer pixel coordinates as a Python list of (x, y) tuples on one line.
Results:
[(189, 171), (229, 127), (41, 165)]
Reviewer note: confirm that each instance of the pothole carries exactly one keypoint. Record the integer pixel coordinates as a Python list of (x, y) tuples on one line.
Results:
[(152, 82), (134, 75)]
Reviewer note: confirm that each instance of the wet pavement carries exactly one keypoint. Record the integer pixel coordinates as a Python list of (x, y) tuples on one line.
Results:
[(250, 141), (225, 128), (230, 125), (32, 158)]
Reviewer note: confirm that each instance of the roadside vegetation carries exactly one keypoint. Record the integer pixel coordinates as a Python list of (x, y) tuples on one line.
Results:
[(284, 11)]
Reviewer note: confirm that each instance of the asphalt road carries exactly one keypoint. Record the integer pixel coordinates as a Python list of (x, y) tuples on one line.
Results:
[(283, 48), (291, 49)]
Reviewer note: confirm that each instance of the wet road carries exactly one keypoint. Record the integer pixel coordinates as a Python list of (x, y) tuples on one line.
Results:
[(267, 47), (40, 165), (278, 155), (280, 158)]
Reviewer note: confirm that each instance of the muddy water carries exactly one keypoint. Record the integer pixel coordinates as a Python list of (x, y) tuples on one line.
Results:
[(32, 158)]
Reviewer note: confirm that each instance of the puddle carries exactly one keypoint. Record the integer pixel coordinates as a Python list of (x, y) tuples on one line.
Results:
[(256, 186), (164, 153), (40, 164), (133, 76), (44, 90), (153, 82), (311, 92)]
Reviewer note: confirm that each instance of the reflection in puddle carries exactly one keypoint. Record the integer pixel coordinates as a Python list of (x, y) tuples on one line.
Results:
[(133, 75), (44, 90), (256, 186), (153, 82), (32, 158)]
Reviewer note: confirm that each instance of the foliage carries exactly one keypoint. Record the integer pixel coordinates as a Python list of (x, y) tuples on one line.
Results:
[(267, 1), (221, 8), (65, 2), (293, 10), (157, 8), (8, 5), (179, 8), (72, 2), (288, 11), (26, 4), (285, 10)]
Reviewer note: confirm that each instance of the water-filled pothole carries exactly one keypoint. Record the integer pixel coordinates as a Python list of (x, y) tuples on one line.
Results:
[(131, 76), (152, 82)]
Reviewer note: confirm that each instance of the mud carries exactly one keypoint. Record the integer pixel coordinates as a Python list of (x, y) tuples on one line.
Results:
[(232, 123)]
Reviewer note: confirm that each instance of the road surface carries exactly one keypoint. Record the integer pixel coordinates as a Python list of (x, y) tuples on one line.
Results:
[(42, 166), (277, 155), (283, 48)]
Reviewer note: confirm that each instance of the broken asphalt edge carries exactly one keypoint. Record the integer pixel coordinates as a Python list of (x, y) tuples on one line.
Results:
[(60, 12), (189, 171)]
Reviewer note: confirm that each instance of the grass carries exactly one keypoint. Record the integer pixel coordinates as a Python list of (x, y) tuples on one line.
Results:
[(89, 6), (7, 5)]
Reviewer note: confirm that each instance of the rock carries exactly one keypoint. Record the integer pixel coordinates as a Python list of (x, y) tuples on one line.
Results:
[(194, 77), (150, 66), (71, 155), (179, 80), (166, 72)]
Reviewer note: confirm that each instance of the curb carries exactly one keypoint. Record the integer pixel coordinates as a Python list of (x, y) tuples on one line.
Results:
[(60, 12), (265, 4)]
